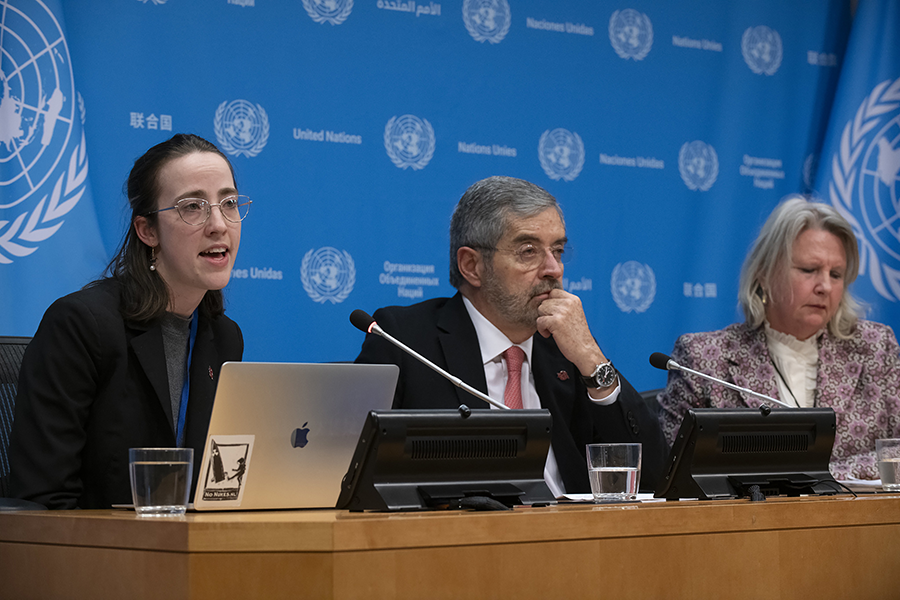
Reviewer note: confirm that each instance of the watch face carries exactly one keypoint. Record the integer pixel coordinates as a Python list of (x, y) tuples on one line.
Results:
[(606, 375), (603, 376)]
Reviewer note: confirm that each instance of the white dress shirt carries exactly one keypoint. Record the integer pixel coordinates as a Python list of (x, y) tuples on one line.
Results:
[(493, 343), (798, 362)]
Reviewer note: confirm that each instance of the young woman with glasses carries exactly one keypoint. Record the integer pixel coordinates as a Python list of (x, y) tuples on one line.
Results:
[(132, 360)]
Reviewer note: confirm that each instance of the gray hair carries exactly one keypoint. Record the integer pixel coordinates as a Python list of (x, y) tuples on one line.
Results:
[(771, 253), (482, 215)]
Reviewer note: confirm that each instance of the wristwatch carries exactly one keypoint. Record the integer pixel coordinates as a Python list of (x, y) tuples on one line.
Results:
[(602, 377)]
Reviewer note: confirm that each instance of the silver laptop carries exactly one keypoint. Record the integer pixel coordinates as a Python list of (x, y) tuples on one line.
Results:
[(282, 435)]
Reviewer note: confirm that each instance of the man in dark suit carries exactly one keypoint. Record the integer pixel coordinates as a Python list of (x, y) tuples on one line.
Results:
[(507, 243)]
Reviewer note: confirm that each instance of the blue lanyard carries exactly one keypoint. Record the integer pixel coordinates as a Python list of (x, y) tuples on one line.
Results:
[(186, 388)]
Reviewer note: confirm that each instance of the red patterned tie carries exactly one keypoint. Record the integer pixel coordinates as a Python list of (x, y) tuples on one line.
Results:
[(512, 395)]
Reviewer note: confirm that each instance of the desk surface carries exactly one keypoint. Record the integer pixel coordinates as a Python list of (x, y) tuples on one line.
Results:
[(836, 547)]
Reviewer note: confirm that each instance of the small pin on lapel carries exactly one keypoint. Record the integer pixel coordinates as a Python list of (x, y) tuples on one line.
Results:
[(211, 373), (563, 376)]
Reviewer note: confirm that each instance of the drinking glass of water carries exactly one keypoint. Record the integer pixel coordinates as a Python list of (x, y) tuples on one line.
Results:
[(161, 480), (888, 451), (614, 471)]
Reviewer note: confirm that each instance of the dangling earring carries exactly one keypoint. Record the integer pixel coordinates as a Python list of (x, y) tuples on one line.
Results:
[(152, 258), (764, 297)]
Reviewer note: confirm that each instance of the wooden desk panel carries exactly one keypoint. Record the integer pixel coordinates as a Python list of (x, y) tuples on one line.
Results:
[(783, 548)]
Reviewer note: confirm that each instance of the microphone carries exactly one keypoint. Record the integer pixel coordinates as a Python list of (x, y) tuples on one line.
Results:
[(362, 321), (662, 361)]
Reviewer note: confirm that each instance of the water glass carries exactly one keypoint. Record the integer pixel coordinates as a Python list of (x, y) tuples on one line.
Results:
[(888, 452), (614, 471), (161, 480)]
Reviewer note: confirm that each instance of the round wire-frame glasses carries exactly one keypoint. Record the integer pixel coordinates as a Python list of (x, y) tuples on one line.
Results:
[(196, 211)]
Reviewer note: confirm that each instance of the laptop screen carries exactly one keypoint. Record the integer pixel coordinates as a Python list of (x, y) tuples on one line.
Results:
[(281, 435)]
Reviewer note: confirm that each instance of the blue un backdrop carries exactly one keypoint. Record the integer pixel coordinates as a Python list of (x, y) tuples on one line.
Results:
[(667, 130)]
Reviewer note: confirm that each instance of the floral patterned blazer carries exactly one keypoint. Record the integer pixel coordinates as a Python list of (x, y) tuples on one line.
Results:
[(859, 378)]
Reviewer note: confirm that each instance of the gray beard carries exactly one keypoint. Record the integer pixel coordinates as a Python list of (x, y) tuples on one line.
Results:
[(515, 308)]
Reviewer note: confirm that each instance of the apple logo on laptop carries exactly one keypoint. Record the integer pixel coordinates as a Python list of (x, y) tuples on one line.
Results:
[(298, 437)]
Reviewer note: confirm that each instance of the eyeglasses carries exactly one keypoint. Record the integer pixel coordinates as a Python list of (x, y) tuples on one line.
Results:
[(531, 255), (196, 211)]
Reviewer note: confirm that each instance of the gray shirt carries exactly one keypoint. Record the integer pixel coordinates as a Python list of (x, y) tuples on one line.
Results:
[(175, 331)]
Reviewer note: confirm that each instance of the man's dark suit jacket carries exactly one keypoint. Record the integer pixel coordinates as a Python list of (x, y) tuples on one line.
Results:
[(93, 385), (441, 330)]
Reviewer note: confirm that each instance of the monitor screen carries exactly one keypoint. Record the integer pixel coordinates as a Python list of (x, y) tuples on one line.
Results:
[(419, 459), (721, 453)]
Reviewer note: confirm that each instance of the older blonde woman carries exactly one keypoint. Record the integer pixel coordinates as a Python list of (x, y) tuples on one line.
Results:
[(802, 342)]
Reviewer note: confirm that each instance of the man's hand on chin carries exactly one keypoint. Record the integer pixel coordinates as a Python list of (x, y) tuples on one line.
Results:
[(562, 316)]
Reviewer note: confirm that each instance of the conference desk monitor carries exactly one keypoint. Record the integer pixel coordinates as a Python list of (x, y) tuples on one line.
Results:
[(723, 453), (427, 459), (414, 460)]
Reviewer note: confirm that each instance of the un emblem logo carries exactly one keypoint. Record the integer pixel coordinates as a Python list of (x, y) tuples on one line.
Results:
[(698, 165), (41, 144), (328, 274), (330, 11), (630, 33), (762, 49), (561, 153), (241, 128), (487, 19), (409, 141), (865, 185), (633, 286)]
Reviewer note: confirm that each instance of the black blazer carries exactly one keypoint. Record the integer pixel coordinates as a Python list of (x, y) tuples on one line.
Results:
[(93, 385), (441, 330)]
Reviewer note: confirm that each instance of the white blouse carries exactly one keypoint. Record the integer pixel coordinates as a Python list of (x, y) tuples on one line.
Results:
[(798, 362)]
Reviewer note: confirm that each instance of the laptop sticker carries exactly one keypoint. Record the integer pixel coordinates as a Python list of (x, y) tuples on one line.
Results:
[(225, 473)]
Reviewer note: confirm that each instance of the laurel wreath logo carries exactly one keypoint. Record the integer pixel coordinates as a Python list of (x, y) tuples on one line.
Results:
[(690, 180), (223, 137), (620, 299), (334, 19), (756, 64), (578, 157), (502, 8), (885, 97), (15, 239), (314, 293), (81, 109), (427, 153), (646, 26)]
